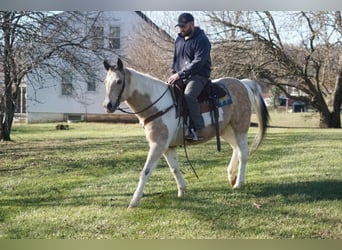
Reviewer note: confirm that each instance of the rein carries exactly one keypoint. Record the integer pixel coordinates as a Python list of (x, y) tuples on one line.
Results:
[(150, 118)]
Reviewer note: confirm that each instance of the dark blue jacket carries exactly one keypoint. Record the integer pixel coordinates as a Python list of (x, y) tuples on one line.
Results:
[(192, 56)]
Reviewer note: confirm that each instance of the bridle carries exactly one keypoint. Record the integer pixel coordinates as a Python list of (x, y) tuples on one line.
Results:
[(117, 103)]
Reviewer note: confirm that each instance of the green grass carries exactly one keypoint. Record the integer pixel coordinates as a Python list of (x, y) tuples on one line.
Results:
[(293, 120), (77, 184)]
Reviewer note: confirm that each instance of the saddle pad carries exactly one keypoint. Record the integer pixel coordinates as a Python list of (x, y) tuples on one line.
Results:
[(222, 101), (225, 100)]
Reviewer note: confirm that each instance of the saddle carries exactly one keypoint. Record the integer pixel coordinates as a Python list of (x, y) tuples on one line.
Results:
[(211, 92), (208, 101)]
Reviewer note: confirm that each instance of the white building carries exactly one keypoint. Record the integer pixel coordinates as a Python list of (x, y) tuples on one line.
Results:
[(70, 97)]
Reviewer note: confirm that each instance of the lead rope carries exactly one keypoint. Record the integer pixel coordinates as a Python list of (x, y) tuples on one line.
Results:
[(175, 86), (185, 150), (186, 154)]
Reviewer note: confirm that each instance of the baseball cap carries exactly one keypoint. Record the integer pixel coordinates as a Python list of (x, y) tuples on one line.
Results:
[(184, 18)]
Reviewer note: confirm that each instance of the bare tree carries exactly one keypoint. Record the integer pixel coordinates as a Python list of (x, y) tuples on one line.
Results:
[(290, 50), (151, 49), (35, 42)]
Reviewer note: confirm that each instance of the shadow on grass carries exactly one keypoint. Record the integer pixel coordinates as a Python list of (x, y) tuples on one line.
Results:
[(300, 192), (306, 191), (236, 214)]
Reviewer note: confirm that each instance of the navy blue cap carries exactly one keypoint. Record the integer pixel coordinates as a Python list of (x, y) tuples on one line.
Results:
[(184, 18)]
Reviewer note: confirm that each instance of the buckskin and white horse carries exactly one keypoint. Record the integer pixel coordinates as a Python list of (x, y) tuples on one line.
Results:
[(152, 102)]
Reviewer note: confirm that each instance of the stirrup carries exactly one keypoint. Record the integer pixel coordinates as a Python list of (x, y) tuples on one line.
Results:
[(193, 136)]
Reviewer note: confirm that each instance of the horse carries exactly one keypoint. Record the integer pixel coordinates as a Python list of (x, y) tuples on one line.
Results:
[(152, 102)]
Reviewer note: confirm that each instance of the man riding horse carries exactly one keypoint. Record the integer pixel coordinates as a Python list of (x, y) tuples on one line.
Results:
[(192, 65)]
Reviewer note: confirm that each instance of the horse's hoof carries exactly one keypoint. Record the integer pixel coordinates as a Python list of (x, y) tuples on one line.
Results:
[(132, 205), (238, 185), (233, 182), (181, 192)]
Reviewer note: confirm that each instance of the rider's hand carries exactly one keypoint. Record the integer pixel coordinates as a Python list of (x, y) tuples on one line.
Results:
[(172, 79)]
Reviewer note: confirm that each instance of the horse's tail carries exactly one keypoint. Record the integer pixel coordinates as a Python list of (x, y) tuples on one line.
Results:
[(260, 110)]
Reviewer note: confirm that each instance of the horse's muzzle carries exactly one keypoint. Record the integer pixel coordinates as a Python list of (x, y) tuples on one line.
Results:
[(107, 104)]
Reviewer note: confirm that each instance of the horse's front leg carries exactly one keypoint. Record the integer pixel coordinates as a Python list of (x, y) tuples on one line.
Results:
[(172, 160), (153, 157)]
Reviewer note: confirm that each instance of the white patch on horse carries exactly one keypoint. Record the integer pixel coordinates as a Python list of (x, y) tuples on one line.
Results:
[(207, 117)]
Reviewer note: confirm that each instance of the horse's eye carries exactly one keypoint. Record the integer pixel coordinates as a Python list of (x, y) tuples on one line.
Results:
[(119, 81)]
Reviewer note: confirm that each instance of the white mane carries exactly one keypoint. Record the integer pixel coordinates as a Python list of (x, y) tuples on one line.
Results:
[(141, 75)]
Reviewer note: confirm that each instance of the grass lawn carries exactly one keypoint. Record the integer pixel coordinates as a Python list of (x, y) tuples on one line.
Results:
[(77, 184)]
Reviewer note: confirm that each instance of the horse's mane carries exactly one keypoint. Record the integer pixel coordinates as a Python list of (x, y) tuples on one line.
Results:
[(152, 78)]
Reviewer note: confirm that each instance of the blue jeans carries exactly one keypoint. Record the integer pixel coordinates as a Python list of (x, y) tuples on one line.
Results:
[(192, 90)]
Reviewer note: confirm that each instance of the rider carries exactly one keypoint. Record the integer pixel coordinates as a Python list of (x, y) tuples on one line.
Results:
[(192, 64)]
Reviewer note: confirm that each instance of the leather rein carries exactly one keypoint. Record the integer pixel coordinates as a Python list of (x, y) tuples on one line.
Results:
[(150, 118)]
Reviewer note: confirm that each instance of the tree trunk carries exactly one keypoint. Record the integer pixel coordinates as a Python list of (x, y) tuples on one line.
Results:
[(324, 119), (330, 119), (6, 124), (7, 113), (336, 115), (333, 119)]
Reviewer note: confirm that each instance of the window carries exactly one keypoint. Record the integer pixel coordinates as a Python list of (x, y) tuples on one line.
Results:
[(67, 87), (91, 82), (114, 37), (97, 37)]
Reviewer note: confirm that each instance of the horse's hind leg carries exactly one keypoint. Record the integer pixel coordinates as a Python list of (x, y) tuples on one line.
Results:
[(153, 157), (229, 136), (237, 165), (232, 167), (242, 153), (172, 160)]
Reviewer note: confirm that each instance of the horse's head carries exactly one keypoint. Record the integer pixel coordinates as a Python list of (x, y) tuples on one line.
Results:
[(115, 85)]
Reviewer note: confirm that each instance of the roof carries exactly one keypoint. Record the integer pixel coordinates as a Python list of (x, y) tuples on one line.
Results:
[(150, 22)]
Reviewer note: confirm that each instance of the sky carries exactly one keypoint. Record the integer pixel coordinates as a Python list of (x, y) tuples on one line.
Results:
[(168, 19), (290, 31)]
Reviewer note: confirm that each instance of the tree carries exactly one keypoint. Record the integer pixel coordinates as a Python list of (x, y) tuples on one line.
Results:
[(151, 48), (32, 41), (289, 50)]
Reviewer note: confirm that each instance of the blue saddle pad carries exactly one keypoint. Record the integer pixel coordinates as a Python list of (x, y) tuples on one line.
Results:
[(225, 100)]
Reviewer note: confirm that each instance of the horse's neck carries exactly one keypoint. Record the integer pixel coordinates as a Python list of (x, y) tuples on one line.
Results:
[(144, 90), (146, 84)]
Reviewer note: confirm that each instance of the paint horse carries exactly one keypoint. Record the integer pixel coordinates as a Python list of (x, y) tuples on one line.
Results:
[(152, 102)]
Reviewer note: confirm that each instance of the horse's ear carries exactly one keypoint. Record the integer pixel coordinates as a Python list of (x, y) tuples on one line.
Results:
[(119, 64), (106, 65)]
